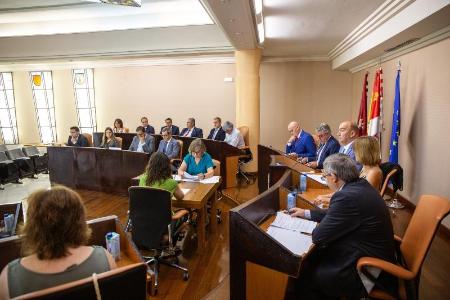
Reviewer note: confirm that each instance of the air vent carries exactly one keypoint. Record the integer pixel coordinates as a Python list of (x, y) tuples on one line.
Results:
[(405, 43)]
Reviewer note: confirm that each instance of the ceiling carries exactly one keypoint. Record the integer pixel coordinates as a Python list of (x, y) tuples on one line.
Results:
[(346, 32)]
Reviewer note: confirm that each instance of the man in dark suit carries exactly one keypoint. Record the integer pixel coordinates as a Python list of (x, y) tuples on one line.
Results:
[(301, 143), (217, 133), (168, 145), (328, 145), (147, 128), (76, 139), (174, 129), (191, 130), (356, 224), (142, 142)]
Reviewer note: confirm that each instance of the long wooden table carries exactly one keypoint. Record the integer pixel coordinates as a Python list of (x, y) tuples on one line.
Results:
[(260, 265), (197, 198), (94, 168), (226, 154)]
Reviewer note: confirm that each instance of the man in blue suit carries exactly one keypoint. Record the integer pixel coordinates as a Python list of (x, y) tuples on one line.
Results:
[(173, 129), (348, 132), (168, 145), (328, 145), (142, 142), (217, 133), (301, 143), (148, 128), (191, 130)]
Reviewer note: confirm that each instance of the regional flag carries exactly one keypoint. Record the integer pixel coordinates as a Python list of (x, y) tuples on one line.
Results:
[(375, 105), (393, 151), (362, 116)]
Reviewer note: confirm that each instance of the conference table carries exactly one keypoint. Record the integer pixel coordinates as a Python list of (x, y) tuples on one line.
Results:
[(226, 154)]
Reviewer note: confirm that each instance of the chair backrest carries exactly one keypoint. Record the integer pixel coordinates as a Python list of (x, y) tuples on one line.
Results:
[(88, 136), (128, 282), (3, 156), (216, 167), (119, 140), (244, 130), (15, 154), (316, 139), (396, 178), (31, 151), (180, 143), (150, 213), (3, 148), (386, 181), (424, 223)]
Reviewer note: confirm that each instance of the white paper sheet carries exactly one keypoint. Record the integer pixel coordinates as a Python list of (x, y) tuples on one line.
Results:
[(296, 242), (179, 178), (214, 179), (317, 177), (285, 221)]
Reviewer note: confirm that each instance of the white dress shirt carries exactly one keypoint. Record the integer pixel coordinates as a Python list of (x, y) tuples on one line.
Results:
[(235, 139)]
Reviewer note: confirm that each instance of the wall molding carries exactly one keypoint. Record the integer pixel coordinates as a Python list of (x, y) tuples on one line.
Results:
[(273, 59), (430, 39)]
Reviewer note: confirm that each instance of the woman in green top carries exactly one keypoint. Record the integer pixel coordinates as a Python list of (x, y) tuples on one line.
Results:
[(158, 174)]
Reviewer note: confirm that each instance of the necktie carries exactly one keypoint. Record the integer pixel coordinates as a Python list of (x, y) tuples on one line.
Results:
[(187, 132), (165, 148), (215, 133), (342, 149)]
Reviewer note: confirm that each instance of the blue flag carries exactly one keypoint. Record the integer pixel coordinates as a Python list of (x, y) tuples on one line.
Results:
[(393, 152)]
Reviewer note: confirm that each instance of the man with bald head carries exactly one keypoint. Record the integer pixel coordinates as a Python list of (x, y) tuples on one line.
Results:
[(301, 143), (348, 132)]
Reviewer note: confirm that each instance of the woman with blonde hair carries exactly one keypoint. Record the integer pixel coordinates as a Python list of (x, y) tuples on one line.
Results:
[(197, 161), (367, 153), (54, 241)]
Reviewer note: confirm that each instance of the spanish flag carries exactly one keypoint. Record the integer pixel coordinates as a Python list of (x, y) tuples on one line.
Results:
[(375, 105)]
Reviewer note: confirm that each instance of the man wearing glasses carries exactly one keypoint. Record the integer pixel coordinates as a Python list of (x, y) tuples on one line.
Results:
[(356, 224), (142, 142), (76, 139), (328, 145)]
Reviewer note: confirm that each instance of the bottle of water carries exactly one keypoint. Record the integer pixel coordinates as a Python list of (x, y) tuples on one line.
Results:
[(113, 244), (302, 183), (291, 203)]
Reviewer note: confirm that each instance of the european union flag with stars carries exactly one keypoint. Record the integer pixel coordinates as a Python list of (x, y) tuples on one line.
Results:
[(393, 152)]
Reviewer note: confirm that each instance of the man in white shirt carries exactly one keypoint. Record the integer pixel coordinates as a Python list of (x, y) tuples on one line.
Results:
[(232, 135), (348, 132)]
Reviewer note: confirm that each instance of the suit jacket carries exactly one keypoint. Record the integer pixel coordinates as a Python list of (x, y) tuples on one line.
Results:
[(356, 224), (172, 150), (175, 130), (149, 129), (196, 132), (148, 147), (304, 146), (81, 142), (220, 136), (111, 143), (350, 153), (330, 147)]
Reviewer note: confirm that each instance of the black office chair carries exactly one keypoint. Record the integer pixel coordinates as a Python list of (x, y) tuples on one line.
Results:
[(24, 163), (150, 218), (39, 160), (9, 171)]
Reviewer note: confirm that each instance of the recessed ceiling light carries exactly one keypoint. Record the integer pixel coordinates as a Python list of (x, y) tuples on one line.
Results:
[(231, 20)]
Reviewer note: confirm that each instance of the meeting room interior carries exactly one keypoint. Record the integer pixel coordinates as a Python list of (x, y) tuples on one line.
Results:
[(224, 149)]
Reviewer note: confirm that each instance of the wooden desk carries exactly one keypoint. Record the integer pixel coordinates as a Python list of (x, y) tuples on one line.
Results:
[(221, 151), (264, 161)]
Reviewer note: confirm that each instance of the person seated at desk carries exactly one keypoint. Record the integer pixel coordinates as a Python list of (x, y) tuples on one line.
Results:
[(142, 142), (301, 143), (173, 129), (54, 239), (191, 130), (348, 132), (147, 128), (233, 136), (217, 133), (76, 139), (109, 139), (197, 161), (169, 146), (367, 153), (357, 224), (328, 145), (118, 127)]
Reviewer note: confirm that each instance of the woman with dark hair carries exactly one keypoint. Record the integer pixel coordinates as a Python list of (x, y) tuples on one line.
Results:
[(118, 127), (158, 174), (109, 139), (54, 239)]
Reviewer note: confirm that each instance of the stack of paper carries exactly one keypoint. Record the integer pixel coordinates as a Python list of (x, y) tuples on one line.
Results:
[(214, 179), (318, 178), (285, 221)]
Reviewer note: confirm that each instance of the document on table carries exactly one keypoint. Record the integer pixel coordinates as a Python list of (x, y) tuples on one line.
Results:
[(285, 221), (296, 242), (317, 177), (214, 179), (186, 177)]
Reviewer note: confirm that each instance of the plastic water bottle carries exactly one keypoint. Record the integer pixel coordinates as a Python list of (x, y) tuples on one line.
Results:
[(8, 219), (113, 244), (302, 183), (291, 203)]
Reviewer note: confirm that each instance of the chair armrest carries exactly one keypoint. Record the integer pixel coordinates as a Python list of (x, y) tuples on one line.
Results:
[(397, 238), (180, 213), (386, 266)]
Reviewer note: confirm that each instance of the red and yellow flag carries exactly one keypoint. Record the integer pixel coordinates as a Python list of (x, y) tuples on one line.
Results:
[(375, 105)]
